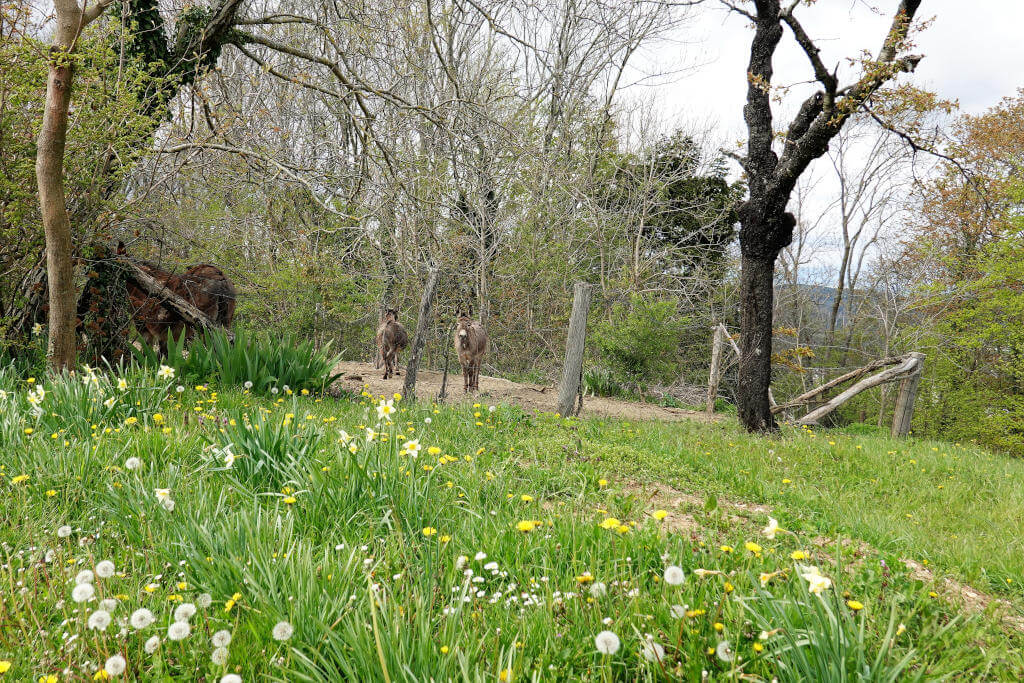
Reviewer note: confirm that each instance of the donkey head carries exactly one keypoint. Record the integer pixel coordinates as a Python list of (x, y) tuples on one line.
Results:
[(390, 315)]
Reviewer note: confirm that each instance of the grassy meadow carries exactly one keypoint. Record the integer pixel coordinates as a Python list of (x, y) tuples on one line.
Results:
[(152, 530)]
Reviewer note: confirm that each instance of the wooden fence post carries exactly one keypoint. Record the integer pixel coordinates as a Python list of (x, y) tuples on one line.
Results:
[(420, 340), (909, 387), (572, 371), (716, 370)]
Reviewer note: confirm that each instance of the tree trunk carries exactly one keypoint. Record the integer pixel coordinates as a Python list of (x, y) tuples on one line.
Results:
[(420, 338), (755, 370), (575, 344), (56, 222)]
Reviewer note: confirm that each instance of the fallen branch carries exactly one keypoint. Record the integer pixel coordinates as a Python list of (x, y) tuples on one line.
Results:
[(154, 288), (808, 397), (909, 366)]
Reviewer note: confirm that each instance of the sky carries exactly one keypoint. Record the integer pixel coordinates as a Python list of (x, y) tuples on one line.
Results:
[(973, 52)]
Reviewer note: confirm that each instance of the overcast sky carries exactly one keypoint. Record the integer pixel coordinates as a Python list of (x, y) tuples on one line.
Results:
[(974, 52)]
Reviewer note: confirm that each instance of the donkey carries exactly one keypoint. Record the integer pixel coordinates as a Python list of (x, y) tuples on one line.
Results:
[(391, 340), (204, 286), (470, 345)]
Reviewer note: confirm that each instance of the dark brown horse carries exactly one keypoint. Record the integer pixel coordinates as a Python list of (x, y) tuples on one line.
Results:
[(204, 286)]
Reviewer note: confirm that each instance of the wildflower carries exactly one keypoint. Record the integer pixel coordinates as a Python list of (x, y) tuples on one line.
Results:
[(85, 576), (701, 573), (179, 630), (728, 587), (221, 638), (105, 569), (752, 547), (229, 457), (816, 582), (659, 514), (772, 528), (652, 651), (798, 555), (50, 493), (724, 651), (141, 618), (64, 531), (5, 664), (460, 562), (607, 643), (855, 605), (526, 498), (184, 611), (526, 526), (115, 665), (602, 482), (480, 556), (162, 494), (37, 330), (598, 589), (901, 629), (674, 576), (726, 548), (282, 631), (677, 611), (204, 600), (289, 500), (385, 409), (412, 447), (610, 523), (247, 384), (99, 620), (108, 604), (219, 656), (83, 592), (167, 504), (429, 531), (132, 464), (165, 372), (151, 645), (231, 678), (20, 478)]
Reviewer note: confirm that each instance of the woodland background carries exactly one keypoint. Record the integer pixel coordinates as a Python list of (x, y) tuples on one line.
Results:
[(325, 156)]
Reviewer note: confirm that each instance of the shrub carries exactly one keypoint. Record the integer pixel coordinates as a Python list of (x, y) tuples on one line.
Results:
[(638, 343)]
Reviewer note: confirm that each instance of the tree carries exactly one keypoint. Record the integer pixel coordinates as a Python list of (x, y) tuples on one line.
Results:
[(70, 19), (766, 226), (196, 44)]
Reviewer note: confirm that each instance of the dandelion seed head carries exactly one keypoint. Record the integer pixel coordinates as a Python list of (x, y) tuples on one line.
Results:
[(282, 631), (179, 630), (115, 665), (105, 569), (141, 618), (607, 643)]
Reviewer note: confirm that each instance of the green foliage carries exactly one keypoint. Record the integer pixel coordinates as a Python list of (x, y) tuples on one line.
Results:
[(974, 376), (263, 450), (260, 363), (639, 341)]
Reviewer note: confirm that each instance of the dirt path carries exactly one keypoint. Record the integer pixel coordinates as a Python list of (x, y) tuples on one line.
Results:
[(495, 389)]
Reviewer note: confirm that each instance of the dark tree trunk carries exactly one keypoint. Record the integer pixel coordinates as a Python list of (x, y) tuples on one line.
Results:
[(755, 371)]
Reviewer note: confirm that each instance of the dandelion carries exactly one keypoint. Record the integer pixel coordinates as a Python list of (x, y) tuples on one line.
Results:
[(184, 611), (460, 562), (64, 531), (659, 514), (105, 569), (247, 384), (610, 523), (772, 528), (83, 592), (108, 604), (677, 611), (180, 389), (115, 665), (85, 576), (752, 547), (282, 631), (429, 531), (855, 605), (20, 478), (526, 526), (652, 651), (132, 464), (231, 678), (141, 618), (151, 645), (179, 630), (219, 656), (5, 664), (798, 555), (674, 576), (221, 638), (607, 643), (167, 504), (724, 651), (204, 600), (99, 620), (598, 589), (165, 372)]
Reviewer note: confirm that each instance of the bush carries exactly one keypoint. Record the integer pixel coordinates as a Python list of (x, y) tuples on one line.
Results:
[(261, 364), (639, 342)]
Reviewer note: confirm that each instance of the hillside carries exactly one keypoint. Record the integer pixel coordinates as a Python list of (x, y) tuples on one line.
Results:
[(480, 543)]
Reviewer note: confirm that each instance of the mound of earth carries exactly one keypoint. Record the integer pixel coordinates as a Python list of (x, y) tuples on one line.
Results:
[(537, 397)]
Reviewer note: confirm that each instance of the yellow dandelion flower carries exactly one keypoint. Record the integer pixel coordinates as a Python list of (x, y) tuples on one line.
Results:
[(752, 547), (855, 605), (526, 526), (429, 531), (659, 514), (20, 478)]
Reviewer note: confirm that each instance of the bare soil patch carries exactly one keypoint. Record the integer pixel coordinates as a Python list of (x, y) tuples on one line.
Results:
[(539, 397)]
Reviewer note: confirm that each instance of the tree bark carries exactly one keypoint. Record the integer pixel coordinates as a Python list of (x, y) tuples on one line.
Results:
[(755, 371), (56, 222), (575, 343), (420, 339)]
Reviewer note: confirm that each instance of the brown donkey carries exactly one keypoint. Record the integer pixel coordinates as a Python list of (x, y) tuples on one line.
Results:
[(391, 340), (470, 344)]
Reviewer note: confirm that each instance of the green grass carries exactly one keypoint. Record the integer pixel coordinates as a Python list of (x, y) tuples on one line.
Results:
[(365, 549)]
